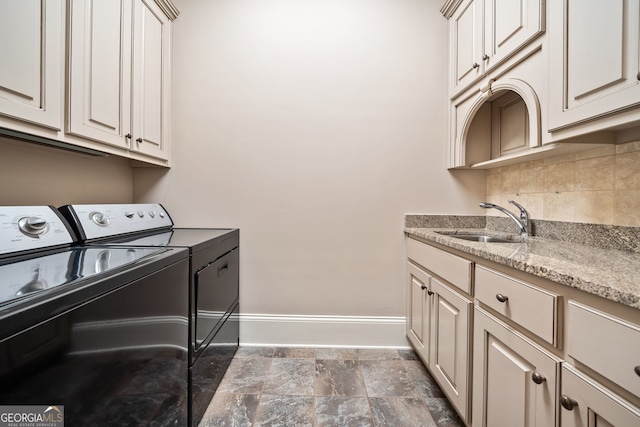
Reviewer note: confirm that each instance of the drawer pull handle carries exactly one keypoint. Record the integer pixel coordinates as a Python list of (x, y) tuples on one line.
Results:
[(637, 369), (538, 378), (502, 298), (567, 402)]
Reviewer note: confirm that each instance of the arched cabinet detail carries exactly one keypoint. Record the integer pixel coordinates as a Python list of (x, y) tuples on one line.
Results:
[(500, 120)]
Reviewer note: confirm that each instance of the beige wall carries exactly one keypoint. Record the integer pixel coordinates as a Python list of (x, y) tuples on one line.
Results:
[(313, 126), (600, 186), (37, 175)]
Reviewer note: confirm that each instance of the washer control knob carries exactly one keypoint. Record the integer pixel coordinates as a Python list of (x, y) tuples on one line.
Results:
[(152, 214), (141, 214), (129, 214), (99, 219), (33, 226), (161, 214)]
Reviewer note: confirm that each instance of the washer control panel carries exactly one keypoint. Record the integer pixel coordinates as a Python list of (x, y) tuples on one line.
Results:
[(102, 221), (24, 228)]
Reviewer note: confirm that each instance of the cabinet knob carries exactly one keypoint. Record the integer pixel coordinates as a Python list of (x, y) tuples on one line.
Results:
[(638, 76), (502, 298), (485, 57), (567, 402), (475, 65), (139, 140), (538, 378), (423, 287), (429, 292), (128, 136), (637, 370)]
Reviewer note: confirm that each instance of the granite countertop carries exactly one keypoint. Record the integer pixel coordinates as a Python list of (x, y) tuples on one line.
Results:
[(608, 273)]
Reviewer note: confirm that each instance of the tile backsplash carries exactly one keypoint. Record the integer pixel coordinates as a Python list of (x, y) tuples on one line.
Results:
[(598, 186)]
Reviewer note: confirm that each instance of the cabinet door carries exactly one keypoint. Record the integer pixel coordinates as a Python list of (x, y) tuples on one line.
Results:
[(587, 403), (506, 366), (592, 73), (418, 309), (509, 25), (31, 48), (449, 353), (100, 70), (465, 37), (151, 79)]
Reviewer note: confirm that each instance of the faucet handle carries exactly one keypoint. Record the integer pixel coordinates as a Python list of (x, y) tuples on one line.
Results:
[(524, 215)]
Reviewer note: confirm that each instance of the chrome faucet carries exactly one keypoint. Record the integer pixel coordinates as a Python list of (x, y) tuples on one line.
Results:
[(524, 222)]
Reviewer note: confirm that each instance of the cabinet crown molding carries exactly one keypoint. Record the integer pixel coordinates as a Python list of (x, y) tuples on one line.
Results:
[(449, 7), (168, 8)]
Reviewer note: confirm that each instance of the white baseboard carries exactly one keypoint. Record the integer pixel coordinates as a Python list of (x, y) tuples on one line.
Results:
[(279, 330)]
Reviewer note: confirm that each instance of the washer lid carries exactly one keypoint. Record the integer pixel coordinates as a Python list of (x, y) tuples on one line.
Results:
[(41, 274)]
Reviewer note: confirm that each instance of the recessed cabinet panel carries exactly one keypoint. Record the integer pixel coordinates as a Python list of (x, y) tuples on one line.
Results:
[(514, 380), (103, 73), (100, 60), (508, 26), (418, 304), (150, 74), (449, 354), (31, 48), (509, 125), (608, 69), (592, 73), (464, 35), (507, 374)]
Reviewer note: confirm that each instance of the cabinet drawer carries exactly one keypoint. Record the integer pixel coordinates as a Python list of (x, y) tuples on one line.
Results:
[(606, 344), (452, 268), (529, 306)]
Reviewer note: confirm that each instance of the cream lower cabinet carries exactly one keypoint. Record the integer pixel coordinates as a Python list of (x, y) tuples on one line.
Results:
[(514, 380), (585, 403), (439, 318), (449, 355), (119, 74), (418, 309), (32, 70)]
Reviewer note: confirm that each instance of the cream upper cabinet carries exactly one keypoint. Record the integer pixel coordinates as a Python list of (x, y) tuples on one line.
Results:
[(514, 380), (439, 318), (32, 52), (465, 36), (151, 79), (100, 70), (594, 60), (119, 74), (484, 33)]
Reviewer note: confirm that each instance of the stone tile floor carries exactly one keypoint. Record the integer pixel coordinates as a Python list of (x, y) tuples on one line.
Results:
[(298, 387)]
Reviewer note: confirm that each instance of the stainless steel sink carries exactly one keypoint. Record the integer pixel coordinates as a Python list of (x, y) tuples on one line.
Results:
[(484, 238)]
